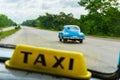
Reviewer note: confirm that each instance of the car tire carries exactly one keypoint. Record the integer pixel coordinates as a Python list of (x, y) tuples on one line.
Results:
[(81, 41), (64, 40), (74, 40), (60, 39)]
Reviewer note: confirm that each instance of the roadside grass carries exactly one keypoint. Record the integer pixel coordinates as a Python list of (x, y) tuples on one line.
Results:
[(109, 37), (8, 33)]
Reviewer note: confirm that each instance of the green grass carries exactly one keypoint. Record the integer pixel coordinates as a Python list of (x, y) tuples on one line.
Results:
[(7, 33), (109, 37)]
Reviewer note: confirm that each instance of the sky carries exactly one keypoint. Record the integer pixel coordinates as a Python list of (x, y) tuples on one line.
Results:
[(21, 10)]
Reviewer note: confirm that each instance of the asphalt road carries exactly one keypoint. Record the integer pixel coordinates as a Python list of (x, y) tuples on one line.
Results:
[(100, 54), (8, 28)]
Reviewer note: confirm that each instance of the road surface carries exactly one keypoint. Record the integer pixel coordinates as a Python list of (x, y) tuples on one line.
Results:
[(100, 54), (8, 28)]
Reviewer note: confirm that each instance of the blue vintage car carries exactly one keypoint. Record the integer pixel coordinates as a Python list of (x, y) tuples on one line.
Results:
[(71, 32)]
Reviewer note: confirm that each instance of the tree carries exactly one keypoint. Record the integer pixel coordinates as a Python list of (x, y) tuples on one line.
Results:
[(101, 17), (5, 21), (51, 21), (98, 6)]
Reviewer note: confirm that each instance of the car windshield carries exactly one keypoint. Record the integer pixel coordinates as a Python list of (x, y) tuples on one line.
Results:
[(73, 28), (39, 26)]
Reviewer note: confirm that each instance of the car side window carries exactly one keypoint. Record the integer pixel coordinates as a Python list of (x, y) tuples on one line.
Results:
[(68, 27)]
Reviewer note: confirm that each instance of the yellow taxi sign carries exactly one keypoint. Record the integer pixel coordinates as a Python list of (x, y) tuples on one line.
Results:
[(56, 62)]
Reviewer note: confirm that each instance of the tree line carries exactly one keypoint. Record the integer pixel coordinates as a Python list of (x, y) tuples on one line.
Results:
[(52, 21), (103, 18), (5, 21)]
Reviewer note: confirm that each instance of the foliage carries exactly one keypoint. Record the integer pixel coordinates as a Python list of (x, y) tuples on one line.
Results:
[(103, 17), (53, 22), (7, 33), (5, 21), (18, 27)]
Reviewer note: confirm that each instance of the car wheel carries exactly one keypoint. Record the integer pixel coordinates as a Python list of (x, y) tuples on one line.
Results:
[(64, 40), (81, 41), (74, 40), (60, 39)]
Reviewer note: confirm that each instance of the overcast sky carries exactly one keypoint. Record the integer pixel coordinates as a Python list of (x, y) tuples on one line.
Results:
[(21, 10)]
